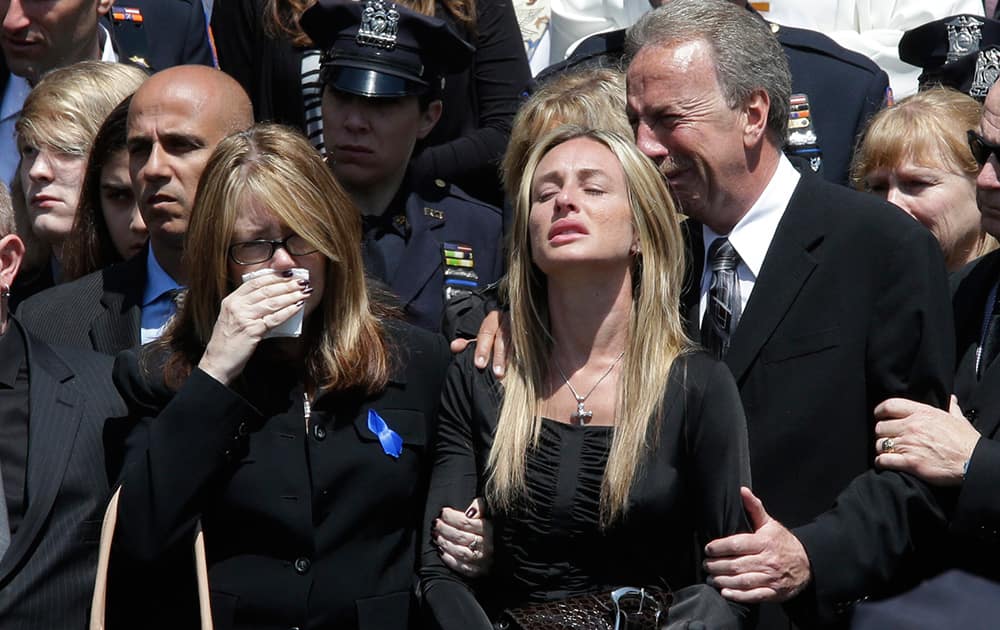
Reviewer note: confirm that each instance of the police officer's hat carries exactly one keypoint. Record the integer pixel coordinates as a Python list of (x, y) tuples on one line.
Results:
[(947, 49), (380, 49)]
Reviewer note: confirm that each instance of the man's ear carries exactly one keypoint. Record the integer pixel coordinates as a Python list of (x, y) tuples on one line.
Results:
[(11, 255), (428, 118), (103, 6), (755, 110)]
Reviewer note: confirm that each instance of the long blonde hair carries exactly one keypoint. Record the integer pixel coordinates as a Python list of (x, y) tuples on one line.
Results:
[(346, 346), (655, 334)]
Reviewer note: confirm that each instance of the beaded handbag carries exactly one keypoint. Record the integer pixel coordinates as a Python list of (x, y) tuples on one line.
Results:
[(624, 608)]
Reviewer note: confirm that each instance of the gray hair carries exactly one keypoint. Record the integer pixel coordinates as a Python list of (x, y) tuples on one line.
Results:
[(747, 55), (6, 212)]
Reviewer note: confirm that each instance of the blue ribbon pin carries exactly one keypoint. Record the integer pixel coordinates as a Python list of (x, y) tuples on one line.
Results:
[(391, 443)]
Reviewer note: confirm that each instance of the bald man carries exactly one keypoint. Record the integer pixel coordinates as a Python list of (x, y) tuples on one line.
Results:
[(175, 121)]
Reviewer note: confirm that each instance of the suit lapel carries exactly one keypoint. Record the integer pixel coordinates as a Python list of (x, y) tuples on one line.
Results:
[(691, 292), (55, 412), (787, 265), (969, 305), (422, 255), (117, 327)]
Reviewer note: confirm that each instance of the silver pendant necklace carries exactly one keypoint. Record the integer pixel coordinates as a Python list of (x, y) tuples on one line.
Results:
[(582, 415)]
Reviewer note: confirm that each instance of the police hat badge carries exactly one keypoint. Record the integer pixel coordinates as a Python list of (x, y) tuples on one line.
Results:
[(987, 72), (964, 35), (378, 25)]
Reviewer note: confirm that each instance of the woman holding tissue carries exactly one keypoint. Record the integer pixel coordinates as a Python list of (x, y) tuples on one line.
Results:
[(283, 407)]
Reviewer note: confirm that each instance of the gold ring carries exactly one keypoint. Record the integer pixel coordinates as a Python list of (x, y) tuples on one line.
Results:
[(887, 444), (474, 544)]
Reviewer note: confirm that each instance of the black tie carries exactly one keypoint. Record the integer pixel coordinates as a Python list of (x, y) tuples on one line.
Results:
[(724, 306), (991, 341)]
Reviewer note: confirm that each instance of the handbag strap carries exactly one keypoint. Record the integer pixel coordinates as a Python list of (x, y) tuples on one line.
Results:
[(98, 604)]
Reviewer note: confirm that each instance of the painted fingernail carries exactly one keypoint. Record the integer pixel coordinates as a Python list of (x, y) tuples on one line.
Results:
[(287, 273), (307, 291), (471, 512), (303, 283), (300, 303)]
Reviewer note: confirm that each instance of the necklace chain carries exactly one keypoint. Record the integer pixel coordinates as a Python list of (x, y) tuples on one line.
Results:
[(581, 414)]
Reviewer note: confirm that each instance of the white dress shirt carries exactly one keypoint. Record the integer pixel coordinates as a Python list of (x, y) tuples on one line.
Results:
[(751, 236)]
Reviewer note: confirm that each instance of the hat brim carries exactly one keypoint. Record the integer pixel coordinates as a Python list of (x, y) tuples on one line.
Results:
[(370, 82)]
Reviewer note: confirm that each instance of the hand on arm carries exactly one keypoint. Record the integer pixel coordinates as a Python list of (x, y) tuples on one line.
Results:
[(769, 565), (493, 337), (465, 540), (923, 440), (245, 315)]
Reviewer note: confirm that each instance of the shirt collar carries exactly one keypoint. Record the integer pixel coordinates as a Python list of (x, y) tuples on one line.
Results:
[(751, 236), (13, 96), (107, 46), (158, 281), (13, 353)]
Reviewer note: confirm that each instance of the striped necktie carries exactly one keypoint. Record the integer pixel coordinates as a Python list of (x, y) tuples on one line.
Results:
[(724, 305)]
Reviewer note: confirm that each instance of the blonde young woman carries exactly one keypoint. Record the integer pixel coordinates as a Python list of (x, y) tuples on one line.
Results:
[(58, 123), (916, 154), (612, 451), (305, 457)]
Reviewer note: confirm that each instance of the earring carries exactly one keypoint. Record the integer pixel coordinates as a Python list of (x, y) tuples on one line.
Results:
[(4, 291)]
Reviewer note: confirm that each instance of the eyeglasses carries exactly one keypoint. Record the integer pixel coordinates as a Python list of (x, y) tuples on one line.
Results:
[(981, 148), (262, 250), (635, 608)]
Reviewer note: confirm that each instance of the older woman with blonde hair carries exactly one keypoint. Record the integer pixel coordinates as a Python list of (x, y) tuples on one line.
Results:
[(591, 97), (916, 154), (614, 450), (58, 123), (302, 445)]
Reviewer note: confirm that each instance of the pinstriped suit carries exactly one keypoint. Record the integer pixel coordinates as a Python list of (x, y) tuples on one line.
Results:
[(46, 576), (100, 311)]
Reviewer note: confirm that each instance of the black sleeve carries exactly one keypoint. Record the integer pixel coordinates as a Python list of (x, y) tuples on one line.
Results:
[(868, 539), (170, 459), (197, 49), (500, 76), (236, 26), (717, 443), (447, 598)]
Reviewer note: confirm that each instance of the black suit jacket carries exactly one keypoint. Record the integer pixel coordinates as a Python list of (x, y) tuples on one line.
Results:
[(47, 574), (975, 522), (850, 308), (313, 529), (101, 311)]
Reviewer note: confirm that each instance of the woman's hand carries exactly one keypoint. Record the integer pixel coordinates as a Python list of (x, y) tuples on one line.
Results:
[(246, 314), (465, 540)]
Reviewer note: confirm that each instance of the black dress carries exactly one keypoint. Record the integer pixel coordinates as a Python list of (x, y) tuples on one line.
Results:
[(551, 546)]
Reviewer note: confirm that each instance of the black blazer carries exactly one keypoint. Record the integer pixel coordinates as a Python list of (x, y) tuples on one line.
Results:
[(975, 521), (314, 529), (687, 494), (850, 307), (101, 311), (47, 574)]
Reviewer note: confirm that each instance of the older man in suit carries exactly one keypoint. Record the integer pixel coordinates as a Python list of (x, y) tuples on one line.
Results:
[(958, 451), (53, 403), (821, 301), (41, 36), (175, 120)]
